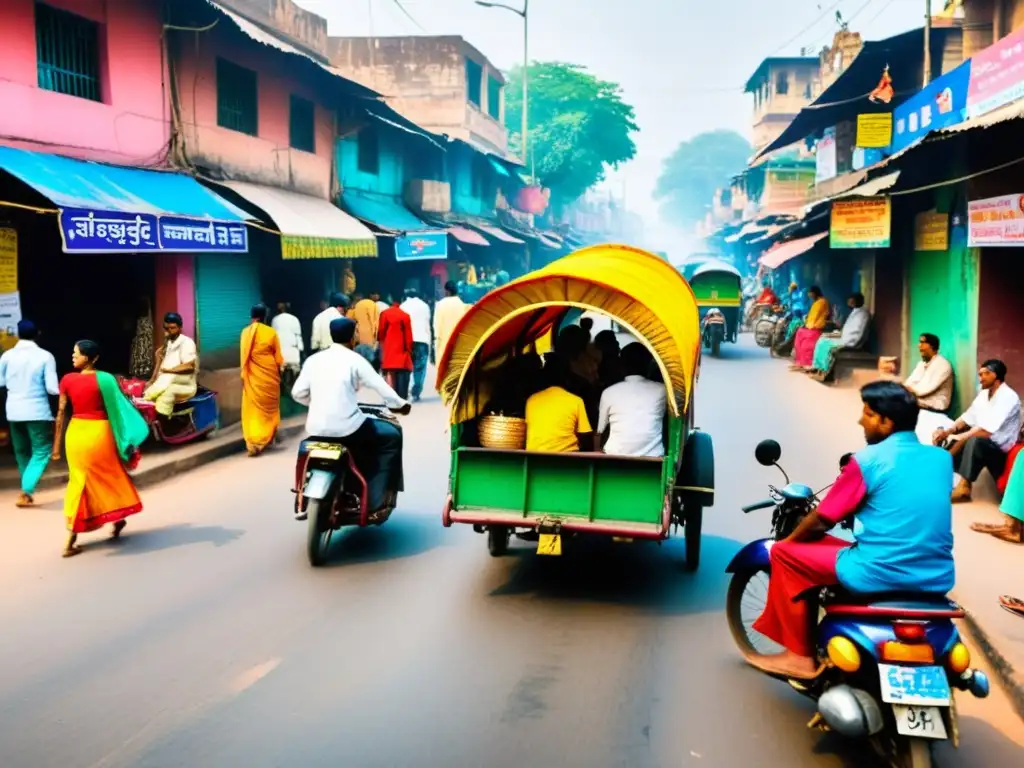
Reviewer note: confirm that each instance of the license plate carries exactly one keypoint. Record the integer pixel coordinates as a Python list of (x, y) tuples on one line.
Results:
[(325, 453), (921, 722), (914, 686), (549, 544)]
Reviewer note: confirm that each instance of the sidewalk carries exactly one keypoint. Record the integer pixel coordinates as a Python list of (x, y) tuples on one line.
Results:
[(986, 567), (160, 462)]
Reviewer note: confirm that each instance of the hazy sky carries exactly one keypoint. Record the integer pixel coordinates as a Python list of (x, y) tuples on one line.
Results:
[(681, 63)]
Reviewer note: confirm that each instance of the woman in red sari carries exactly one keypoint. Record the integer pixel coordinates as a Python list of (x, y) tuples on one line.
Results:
[(102, 442), (807, 337)]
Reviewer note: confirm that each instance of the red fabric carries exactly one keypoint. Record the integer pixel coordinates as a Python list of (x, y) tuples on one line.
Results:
[(796, 568), (803, 346), (83, 391), (845, 496), (1010, 458), (395, 335), (767, 296)]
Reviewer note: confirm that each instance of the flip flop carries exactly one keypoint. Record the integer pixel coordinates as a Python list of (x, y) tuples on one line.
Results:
[(72, 551), (1005, 535), (986, 527), (1012, 604)]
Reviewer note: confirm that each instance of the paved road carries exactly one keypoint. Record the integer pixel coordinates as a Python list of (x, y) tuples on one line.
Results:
[(204, 639)]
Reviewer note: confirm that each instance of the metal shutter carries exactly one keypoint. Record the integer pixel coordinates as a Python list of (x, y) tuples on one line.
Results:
[(227, 285)]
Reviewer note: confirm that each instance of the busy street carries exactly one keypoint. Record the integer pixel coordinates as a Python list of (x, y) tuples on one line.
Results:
[(203, 637)]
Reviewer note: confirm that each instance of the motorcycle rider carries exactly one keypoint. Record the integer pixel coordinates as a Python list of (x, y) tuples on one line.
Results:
[(328, 384), (899, 491)]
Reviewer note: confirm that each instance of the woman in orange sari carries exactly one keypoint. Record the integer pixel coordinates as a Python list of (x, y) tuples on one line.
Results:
[(262, 363), (102, 443)]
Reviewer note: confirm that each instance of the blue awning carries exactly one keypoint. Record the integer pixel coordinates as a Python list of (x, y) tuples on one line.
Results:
[(383, 213), (107, 208)]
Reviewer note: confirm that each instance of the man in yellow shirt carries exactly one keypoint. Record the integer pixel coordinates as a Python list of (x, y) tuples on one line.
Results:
[(556, 422)]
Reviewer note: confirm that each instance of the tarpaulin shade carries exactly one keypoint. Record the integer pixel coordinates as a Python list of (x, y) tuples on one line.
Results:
[(783, 252), (467, 236), (497, 233), (383, 213)]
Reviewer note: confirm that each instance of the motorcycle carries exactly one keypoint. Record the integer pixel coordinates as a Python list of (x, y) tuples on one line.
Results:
[(190, 420), (331, 492), (891, 660), (714, 330)]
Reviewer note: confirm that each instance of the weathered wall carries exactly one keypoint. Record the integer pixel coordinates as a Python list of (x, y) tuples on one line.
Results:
[(302, 28), (128, 126), (263, 159)]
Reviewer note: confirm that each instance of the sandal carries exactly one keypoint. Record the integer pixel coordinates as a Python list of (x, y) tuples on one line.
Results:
[(1005, 534), (118, 527), (72, 551), (1012, 604), (24, 501), (986, 527)]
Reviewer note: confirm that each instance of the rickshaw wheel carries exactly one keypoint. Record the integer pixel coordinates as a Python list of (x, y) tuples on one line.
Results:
[(497, 540), (693, 519)]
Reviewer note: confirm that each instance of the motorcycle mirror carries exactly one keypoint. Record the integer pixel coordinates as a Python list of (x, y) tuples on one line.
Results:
[(845, 459), (768, 453)]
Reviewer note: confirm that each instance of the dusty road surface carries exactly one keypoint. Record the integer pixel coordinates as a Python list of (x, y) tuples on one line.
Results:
[(205, 639)]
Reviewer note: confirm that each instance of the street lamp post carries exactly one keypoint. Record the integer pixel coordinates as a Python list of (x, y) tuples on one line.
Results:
[(525, 14)]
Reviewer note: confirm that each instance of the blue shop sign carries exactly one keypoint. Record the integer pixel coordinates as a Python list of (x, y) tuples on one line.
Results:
[(89, 231), (939, 105), (421, 245)]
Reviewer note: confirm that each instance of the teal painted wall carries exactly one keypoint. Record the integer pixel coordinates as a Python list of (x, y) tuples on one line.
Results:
[(943, 296), (459, 169), (390, 176)]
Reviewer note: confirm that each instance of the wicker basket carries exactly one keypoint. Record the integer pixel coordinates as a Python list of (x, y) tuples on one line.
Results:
[(502, 432)]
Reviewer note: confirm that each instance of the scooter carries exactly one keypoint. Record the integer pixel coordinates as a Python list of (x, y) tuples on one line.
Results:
[(891, 660), (331, 492), (714, 330)]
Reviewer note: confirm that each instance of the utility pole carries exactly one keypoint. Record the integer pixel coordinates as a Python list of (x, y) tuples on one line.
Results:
[(927, 42), (525, 14)]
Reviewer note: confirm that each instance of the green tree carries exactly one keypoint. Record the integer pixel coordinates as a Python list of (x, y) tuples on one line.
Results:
[(698, 167), (579, 126)]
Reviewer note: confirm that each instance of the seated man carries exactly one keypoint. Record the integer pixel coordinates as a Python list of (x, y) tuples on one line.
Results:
[(176, 369), (328, 384), (986, 432), (932, 383), (633, 411), (852, 336), (556, 419), (897, 489)]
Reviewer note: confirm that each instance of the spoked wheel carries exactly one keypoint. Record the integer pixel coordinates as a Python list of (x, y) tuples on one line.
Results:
[(318, 535), (744, 604), (693, 519), (497, 540)]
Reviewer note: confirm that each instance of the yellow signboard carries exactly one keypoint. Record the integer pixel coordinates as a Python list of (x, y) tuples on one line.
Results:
[(8, 260), (931, 231), (874, 131), (863, 223), (302, 247)]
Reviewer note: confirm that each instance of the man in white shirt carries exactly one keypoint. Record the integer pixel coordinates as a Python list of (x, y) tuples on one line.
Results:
[(289, 331), (320, 334), (932, 383), (447, 313), (633, 411), (986, 431), (417, 309), (329, 384), (177, 368)]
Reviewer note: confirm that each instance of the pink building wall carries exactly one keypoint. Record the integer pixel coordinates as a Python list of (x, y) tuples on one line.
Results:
[(266, 158), (128, 127)]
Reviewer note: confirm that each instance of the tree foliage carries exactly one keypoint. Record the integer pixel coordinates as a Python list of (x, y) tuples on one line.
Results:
[(579, 125), (698, 167)]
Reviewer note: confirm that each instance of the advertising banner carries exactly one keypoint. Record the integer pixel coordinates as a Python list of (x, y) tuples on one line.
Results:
[(996, 221), (864, 223)]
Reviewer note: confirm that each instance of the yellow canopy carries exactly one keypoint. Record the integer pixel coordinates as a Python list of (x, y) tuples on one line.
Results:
[(637, 289)]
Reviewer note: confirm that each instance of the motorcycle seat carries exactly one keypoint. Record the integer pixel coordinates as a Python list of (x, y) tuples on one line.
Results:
[(891, 604)]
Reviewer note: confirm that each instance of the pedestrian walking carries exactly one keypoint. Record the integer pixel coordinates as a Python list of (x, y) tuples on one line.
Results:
[(396, 344), (447, 313), (102, 443), (418, 311), (30, 375), (289, 333), (262, 364)]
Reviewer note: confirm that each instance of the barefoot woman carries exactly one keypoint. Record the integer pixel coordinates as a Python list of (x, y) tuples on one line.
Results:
[(102, 439)]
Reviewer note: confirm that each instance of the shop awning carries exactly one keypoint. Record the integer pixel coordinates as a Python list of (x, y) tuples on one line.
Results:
[(310, 227), (783, 252), (383, 213), (108, 208), (497, 233), (467, 236)]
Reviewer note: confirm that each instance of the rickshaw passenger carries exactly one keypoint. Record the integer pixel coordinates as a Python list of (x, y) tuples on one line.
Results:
[(556, 419), (578, 372), (633, 411)]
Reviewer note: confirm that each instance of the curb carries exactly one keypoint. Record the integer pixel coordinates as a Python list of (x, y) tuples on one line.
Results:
[(157, 474), (1008, 677)]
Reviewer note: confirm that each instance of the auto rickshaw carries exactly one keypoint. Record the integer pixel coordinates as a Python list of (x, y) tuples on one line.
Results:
[(501, 489), (717, 285)]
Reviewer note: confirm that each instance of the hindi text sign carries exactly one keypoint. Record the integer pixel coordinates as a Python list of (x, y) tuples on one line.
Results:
[(863, 223), (8, 260), (931, 231), (996, 221), (87, 231), (874, 131)]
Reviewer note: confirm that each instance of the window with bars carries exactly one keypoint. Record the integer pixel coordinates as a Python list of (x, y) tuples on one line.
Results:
[(474, 77), (237, 100), (67, 53), (369, 151), (493, 98), (301, 124)]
